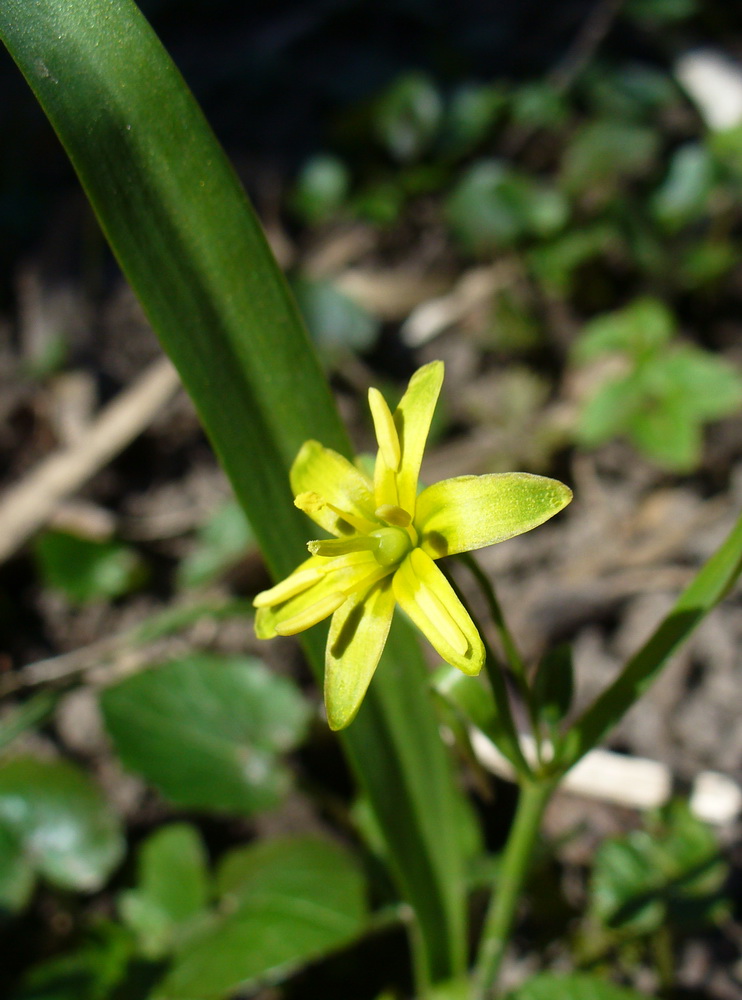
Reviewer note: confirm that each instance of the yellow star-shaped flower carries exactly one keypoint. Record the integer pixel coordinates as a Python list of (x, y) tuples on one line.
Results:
[(387, 538)]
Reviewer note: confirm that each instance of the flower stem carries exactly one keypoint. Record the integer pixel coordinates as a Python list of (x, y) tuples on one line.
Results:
[(534, 796), (512, 655)]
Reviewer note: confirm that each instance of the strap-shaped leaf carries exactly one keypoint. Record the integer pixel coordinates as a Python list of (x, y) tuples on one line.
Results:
[(186, 238), (710, 585)]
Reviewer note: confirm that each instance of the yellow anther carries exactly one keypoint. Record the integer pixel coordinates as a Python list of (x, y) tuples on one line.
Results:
[(341, 546), (392, 514)]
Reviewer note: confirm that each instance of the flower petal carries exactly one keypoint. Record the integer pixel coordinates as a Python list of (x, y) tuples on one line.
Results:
[(313, 603), (327, 475), (469, 512), (429, 599), (412, 419), (389, 453), (358, 632)]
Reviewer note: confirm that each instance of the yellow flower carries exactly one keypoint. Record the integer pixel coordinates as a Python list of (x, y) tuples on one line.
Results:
[(387, 538)]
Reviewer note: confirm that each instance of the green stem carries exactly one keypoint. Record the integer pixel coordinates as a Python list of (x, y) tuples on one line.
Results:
[(516, 862), (512, 654), (502, 730)]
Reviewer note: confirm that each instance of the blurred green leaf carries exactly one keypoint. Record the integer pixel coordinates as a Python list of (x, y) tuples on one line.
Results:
[(17, 876), (470, 117), (321, 188), (726, 148), (172, 888), (283, 904), (338, 324), (492, 207), (578, 986), (684, 194), (207, 730), (407, 116), (638, 329), (604, 152), (539, 105), (380, 202), (65, 829), (87, 570), (670, 874), (705, 263), (709, 386), (660, 12), (669, 392), (221, 542), (607, 413), (628, 92), (94, 970), (30, 713), (555, 263)]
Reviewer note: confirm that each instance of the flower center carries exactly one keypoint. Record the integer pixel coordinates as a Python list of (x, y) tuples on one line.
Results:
[(391, 545)]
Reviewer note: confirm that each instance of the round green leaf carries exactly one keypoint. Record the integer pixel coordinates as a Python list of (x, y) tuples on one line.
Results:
[(206, 730), (172, 888), (66, 829), (86, 570), (284, 903)]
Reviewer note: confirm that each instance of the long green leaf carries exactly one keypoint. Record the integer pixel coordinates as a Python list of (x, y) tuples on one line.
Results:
[(712, 583), (186, 238)]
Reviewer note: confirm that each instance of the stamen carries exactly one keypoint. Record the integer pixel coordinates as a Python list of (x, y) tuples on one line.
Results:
[(386, 432), (311, 615), (392, 514), (341, 546), (290, 587), (312, 503)]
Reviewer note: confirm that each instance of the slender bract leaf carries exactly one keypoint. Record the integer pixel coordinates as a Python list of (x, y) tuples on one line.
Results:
[(186, 238), (711, 585)]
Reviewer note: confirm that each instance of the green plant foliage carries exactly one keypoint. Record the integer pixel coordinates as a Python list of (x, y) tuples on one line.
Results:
[(207, 730), (87, 570), (472, 112), (93, 970), (668, 875), (539, 105), (172, 889), (639, 330), (493, 206), (579, 986), (338, 325), (221, 542), (555, 262), (633, 92), (54, 823), (321, 188), (282, 904), (664, 392), (407, 116), (684, 194), (661, 11), (604, 153), (17, 876)]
